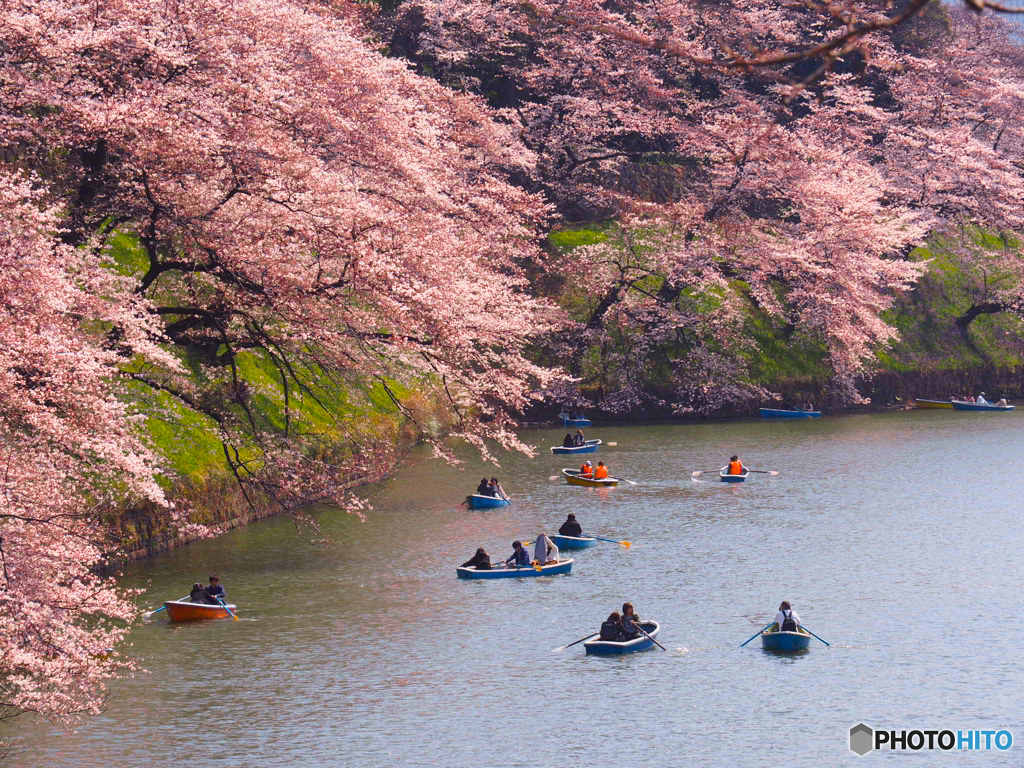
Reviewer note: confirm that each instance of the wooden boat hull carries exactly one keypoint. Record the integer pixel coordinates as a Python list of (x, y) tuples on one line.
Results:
[(476, 501), (727, 478), (181, 610), (519, 572), (778, 413), (577, 422), (959, 405), (572, 542), (927, 405), (611, 648), (785, 642), (572, 478), (589, 447)]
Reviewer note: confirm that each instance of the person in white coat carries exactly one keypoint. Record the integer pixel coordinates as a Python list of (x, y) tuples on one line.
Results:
[(786, 618), (545, 551)]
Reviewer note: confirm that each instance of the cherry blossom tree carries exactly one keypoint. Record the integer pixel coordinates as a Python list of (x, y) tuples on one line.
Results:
[(292, 200), (757, 157)]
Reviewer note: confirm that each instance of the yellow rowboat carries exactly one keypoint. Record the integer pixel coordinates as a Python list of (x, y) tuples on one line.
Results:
[(930, 404), (572, 478)]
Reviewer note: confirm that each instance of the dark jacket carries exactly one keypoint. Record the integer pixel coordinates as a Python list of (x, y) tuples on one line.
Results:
[(480, 562), (610, 631), (569, 442), (571, 528), (485, 489), (520, 558), (212, 593), (197, 596)]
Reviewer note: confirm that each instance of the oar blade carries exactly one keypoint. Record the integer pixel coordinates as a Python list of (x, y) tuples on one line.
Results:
[(611, 444), (626, 544)]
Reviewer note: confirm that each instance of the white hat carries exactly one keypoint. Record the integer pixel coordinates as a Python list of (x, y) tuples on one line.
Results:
[(589, 464)]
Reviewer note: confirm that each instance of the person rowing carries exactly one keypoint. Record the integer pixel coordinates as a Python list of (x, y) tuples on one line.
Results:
[(981, 399), (736, 466), (497, 490), (629, 621), (520, 557), (481, 561), (786, 619), (587, 471), (544, 551), (570, 527), (214, 591), (601, 473)]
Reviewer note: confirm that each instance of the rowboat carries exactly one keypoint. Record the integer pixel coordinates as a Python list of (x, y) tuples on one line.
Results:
[(934, 404), (573, 542), (727, 478), (476, 501), (577, 422), (785, 642), (960, 405), (616, 648), (572, 477), (778, 413), (183, 610), (588, 447), (516, 571)]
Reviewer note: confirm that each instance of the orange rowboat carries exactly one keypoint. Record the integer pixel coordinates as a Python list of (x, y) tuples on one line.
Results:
[(182, 610)]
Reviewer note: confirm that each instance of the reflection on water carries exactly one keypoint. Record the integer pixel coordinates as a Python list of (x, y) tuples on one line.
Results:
[(896, 538)]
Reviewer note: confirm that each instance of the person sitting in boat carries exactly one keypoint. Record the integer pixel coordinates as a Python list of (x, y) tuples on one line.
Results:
[(587, 471), (736, 466), (496, 489), (481, 561), (601, 473), (214, 591), (569, 441), (970, 399), (544, 551), (611, 628), (1002, 402), (484, 489), (570, 527), (198, 594), (578, 438), (786, 619), (629, 620), (519, 555), (981, 399)]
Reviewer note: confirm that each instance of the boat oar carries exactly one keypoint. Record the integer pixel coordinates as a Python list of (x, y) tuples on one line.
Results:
[(702, 471), (762, 629), (763, 471), (811, 633), (225, 606), (624, 480), (626, 544), (610, 443), (570, 645), (650, 638), (163, 607)]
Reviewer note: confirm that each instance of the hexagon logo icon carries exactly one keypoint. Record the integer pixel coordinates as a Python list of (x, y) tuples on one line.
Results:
[(861, 739)]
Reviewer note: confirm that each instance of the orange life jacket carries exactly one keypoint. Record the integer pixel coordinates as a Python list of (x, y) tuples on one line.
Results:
[(600, 473), (586, 471), (735, 467)]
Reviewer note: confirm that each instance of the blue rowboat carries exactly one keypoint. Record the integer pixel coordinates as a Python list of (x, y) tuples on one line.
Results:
[(960, 405), (588, 447), (778, 413), (476, 501), (516, 572), (572, 542), (576, 422), (785, 642), (727, 478), (613, 648)]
